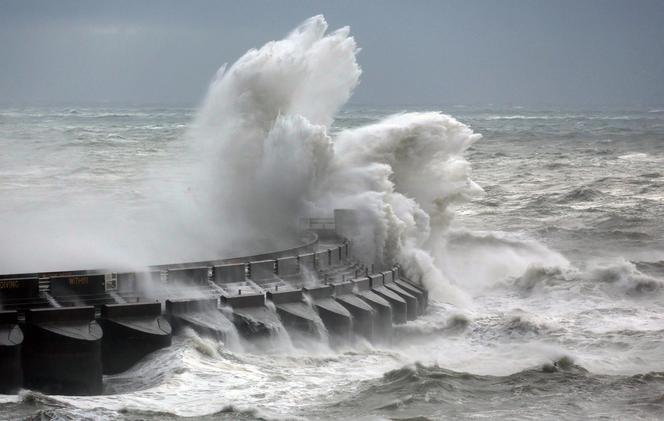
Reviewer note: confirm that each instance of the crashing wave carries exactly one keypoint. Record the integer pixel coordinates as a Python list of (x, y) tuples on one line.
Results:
[(268, 119), (540, 277)]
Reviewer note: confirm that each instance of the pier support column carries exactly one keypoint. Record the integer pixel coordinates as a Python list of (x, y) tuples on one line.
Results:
[(11, 340), (62, 351)]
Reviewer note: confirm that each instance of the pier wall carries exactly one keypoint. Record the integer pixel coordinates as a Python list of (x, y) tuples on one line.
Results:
[(61, 330)]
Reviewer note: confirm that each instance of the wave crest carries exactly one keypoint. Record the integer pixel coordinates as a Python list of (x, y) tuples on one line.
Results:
[(625, 276)]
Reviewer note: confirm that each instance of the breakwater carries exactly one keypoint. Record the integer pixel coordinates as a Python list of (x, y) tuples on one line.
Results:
[(60, 332)]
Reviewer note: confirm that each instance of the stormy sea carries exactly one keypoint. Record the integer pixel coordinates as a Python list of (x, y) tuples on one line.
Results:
[(537, 230)]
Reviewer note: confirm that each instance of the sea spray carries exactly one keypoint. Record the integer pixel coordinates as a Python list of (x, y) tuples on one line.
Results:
[(267, 118), (49, 298), (482, 259)]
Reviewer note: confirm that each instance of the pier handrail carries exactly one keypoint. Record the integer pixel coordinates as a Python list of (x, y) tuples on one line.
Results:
[(308, 246)]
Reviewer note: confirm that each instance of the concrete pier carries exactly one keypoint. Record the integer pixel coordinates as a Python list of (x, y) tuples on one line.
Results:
[(50, 340)]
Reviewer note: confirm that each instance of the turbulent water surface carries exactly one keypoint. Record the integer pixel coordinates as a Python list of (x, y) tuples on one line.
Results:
[(551, 298)]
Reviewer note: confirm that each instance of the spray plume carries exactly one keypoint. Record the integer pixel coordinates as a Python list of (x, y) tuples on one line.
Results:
[(265, 130)]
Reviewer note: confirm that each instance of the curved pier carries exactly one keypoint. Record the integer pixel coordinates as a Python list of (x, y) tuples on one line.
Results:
[(80, 324)]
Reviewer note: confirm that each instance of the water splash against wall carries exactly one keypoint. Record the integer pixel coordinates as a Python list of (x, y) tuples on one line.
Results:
[(265, 130)]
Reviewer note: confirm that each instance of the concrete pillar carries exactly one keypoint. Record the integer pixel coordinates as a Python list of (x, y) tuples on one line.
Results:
[(11, 341), (62, 351)]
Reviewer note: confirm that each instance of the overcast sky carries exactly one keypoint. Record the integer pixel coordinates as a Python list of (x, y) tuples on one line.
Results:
[(592, 52)]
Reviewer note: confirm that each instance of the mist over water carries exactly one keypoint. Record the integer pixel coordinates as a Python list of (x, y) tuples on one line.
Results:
[(547, 281)]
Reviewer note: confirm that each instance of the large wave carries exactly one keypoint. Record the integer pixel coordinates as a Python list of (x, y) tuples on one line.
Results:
[(268, 156)]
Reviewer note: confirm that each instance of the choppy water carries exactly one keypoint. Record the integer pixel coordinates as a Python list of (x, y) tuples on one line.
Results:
[(562, 261)]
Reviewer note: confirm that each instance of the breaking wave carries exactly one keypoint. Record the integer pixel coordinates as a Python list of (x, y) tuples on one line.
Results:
[(477, 260), (432, 392), (617, 276), (625, 276), (268, 117)]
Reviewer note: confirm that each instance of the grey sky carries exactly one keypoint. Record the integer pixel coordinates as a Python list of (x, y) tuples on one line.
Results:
[(413, 52)]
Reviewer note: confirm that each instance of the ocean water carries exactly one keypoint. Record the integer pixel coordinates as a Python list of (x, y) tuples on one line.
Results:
[(537, 231), (562, 260)]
